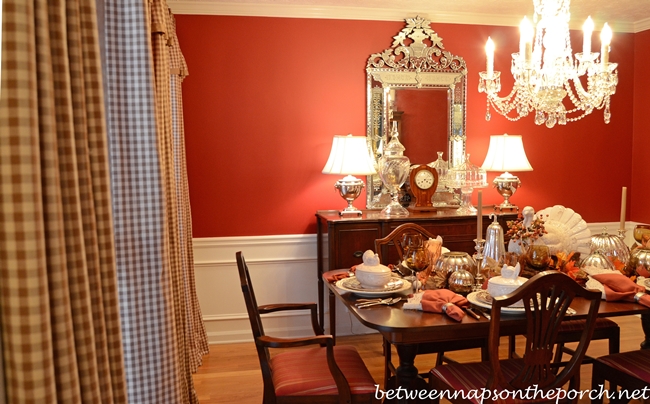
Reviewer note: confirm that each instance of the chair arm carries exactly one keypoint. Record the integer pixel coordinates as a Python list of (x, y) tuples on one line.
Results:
[(270, 308), (274, 342)]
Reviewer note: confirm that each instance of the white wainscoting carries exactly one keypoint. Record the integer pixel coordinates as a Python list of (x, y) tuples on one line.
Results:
[(283, 269)]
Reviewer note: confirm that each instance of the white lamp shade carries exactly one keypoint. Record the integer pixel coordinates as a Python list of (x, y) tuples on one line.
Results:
[(349, 155), (506, 153)]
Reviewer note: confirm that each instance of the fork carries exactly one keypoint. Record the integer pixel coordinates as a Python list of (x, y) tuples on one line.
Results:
[(363, 302), (388, 301)]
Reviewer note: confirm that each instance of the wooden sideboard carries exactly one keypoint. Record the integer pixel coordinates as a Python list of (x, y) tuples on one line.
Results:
[(343, 240)]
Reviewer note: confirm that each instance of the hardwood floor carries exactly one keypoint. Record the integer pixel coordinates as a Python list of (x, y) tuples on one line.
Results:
[(230, 373)]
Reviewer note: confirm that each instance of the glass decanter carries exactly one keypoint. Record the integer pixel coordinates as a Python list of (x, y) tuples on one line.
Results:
[(466, 176), (394, 169)]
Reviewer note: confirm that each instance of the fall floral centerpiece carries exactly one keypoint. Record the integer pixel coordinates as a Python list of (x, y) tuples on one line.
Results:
[(523, 233)]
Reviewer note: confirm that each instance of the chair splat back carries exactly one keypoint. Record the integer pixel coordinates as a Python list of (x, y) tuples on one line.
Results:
[(546, 298), (395, 237)]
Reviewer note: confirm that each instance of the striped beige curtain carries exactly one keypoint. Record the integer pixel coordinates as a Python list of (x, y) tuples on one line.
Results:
[(60, 323), (164, 337)]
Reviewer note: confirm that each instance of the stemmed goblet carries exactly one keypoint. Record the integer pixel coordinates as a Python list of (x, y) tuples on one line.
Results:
[(415, 256)]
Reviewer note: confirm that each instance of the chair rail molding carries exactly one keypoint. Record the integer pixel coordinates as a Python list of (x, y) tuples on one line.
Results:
[(283, 268)]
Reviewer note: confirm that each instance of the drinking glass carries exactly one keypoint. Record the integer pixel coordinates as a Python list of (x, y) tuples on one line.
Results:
[(538, 256)]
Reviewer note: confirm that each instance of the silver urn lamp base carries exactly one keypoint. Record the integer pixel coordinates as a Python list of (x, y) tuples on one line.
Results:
[(350, 188), (506, 184)]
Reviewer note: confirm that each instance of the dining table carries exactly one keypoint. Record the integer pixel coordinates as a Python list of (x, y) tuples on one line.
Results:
[(407, 328)]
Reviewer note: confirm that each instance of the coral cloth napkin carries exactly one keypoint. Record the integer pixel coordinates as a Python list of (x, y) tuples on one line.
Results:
[(620, 287), (342, 275), (439, 301)]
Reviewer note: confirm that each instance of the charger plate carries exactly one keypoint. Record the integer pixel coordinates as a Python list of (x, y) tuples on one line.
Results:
[(645, 282), (483, 299), (395, 285)]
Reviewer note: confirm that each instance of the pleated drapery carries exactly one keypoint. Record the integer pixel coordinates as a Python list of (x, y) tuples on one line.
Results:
[(60, 322), (164, 337)]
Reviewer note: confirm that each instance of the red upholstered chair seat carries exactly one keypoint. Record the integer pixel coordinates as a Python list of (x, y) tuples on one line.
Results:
[(465, 377), (635, 364), (578, 325), (472, 376), (304, 372), (630, 370)]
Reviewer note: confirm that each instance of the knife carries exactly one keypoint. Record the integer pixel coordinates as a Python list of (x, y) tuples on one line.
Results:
[(489, 317), (472, 313)]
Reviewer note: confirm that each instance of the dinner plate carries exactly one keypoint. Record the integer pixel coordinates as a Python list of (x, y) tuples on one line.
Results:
[(645, 282), (351, 284), (483, 299)]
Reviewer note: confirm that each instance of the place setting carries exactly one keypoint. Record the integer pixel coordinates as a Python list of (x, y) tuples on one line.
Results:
[(371, 279)]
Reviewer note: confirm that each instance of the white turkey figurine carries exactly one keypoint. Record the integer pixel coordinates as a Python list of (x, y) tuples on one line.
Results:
[(511, 273), (507, 283), (371, 274), (566, 231)]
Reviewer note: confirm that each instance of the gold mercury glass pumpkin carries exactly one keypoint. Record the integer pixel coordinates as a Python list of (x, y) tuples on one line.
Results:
[(461, 281), (639, 263)]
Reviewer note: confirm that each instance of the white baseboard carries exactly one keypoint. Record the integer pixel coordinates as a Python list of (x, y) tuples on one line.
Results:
[(283, 269)]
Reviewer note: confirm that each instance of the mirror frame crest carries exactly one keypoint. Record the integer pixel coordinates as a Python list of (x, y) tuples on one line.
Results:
[(416, 59)]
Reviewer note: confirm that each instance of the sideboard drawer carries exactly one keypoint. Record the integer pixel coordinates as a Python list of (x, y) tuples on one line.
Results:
[(348, 243)]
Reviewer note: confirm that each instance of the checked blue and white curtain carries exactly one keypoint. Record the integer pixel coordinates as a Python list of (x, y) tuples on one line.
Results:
[(163, 333)]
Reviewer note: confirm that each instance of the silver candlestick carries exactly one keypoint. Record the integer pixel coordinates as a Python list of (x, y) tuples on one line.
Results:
[(478, 257)]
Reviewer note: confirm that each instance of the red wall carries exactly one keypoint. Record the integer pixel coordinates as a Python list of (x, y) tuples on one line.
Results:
[(640, 191), (265, 96)]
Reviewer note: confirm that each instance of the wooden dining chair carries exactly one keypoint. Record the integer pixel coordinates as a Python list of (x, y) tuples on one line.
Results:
[(630, 370), (394, 238), (323, 375), (546, 298), (382, 247)]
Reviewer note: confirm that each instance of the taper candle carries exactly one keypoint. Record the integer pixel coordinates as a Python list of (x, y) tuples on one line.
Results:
[(489, 53), (623, 204), (479, 216), (605, 40), (525, 42), (587, 29)]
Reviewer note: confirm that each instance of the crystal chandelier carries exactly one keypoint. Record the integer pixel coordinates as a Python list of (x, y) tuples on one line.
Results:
[(545, 71)]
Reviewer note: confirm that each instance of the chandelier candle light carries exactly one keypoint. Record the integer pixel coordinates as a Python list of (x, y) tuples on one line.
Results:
[(545, 71), (349, 156)]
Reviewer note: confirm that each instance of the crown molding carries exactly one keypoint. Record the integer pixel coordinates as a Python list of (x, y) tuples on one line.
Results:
[(210, 7), (642, 25)]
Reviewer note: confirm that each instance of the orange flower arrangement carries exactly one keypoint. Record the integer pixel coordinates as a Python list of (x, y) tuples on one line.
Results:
[(522, 235)]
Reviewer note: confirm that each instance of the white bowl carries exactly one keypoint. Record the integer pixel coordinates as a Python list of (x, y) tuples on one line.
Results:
[(499, 286), (375, 276)]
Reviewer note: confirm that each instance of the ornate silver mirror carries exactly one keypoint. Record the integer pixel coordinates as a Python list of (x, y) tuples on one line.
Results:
[(421, 86)]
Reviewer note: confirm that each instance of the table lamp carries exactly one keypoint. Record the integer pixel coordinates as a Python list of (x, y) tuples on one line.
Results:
[(349, 156), (506, 153)]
